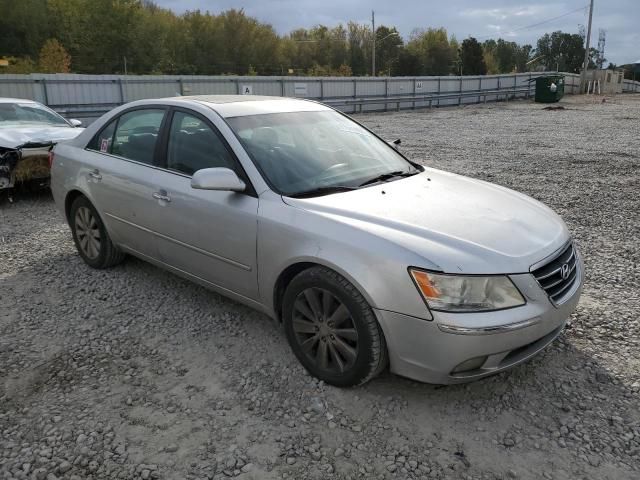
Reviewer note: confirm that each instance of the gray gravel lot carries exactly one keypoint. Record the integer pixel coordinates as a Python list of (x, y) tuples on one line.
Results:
[(135, 373)]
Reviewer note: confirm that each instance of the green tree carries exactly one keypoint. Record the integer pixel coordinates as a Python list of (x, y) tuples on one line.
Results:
[(408, 63), (25, 25), (471, 58), (504, 57), (560, 50), (388, 42), (359, 47), (433, 51)]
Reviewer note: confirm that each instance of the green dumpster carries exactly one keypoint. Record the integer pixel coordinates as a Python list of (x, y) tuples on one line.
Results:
[(549, 88)]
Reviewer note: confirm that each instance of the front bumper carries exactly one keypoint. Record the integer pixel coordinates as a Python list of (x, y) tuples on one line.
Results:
[(430, 351)]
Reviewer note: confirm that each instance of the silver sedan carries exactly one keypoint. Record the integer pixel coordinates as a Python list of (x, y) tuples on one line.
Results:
[(366, 258)]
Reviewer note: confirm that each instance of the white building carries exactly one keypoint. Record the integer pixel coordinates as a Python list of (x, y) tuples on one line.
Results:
[(605, 81)]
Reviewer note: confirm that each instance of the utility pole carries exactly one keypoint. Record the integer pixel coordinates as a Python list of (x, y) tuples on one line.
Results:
[(583, 77), (373, 50)]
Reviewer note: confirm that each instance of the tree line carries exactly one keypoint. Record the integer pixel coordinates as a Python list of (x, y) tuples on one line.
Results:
[(139, 37)]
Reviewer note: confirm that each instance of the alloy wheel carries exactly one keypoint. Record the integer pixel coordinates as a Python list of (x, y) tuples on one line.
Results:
[(325, 330), (87, 232)]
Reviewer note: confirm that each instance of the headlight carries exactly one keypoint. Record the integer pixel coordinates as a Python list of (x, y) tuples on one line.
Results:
[(465, 293)]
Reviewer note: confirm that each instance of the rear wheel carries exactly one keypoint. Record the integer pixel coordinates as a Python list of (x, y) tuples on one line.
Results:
[(91, 237), (332, 329)]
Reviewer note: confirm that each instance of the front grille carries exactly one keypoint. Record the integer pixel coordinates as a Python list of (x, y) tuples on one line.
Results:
[(550, 275)]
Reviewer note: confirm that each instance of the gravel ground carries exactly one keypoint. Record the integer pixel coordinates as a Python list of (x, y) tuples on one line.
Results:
[(135, 373)]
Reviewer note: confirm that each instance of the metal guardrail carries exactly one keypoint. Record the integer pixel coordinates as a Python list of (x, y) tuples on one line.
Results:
[(427, 100), (430, 98)]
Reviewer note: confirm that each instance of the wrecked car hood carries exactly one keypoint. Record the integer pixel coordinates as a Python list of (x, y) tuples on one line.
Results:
[(35, 135)]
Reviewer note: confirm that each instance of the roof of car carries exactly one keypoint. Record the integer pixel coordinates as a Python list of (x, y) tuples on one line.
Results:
[(241, 105), (218, 99)]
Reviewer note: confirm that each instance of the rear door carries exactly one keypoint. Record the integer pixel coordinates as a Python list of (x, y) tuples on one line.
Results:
[(209, 234), (122, 160)]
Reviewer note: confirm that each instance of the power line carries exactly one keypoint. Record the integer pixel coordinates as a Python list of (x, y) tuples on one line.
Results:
[(533, 25)]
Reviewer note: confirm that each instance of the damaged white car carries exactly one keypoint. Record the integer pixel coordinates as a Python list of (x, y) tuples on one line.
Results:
[(28, 131)]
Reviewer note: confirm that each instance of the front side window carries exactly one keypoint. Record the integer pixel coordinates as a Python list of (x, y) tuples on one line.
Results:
[(304, 151), (136, 135), (193, 145)]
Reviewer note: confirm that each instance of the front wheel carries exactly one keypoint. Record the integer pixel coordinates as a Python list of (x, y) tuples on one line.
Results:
[(332, 329), (90, 236)]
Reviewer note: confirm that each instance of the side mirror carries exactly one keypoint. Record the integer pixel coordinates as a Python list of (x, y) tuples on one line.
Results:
[(223, 179), (395, 144), (75, 122)]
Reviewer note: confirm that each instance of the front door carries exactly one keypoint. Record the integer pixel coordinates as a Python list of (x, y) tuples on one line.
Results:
[(209, 234)]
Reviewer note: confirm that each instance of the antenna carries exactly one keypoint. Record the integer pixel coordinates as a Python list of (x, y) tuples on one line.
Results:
[(602, 38)]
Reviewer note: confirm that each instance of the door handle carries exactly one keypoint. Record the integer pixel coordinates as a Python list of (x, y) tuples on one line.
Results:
[(161, 195), (95, 174)]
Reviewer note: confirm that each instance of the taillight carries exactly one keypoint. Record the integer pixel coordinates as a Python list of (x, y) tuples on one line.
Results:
[(51, 158)]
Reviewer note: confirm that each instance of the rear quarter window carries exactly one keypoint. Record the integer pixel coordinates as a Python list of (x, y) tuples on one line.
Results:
[(102, 141)]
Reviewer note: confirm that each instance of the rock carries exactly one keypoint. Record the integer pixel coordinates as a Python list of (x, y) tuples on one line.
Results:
[(316, 405), (40, 474)]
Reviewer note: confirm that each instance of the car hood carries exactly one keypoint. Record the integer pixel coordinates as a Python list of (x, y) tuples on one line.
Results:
[(455, 223), (18, 136)]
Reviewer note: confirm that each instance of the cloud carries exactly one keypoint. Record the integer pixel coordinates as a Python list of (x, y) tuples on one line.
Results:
[(463, 18), (503, 13)]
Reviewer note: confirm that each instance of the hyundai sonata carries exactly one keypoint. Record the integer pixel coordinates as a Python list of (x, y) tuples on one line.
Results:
[(366, 258)]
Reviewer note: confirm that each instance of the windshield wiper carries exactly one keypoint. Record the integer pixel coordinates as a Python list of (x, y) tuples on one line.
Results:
[(388, 176), (317, 192)]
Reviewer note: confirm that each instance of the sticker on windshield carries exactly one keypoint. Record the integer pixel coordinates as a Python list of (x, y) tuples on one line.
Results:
[(104, 145)]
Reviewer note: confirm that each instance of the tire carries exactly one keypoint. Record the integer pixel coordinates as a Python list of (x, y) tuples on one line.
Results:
[(332, 329), (90, 236)]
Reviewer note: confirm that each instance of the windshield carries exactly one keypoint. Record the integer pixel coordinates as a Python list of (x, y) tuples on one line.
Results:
[(12, 114), (302, 152)]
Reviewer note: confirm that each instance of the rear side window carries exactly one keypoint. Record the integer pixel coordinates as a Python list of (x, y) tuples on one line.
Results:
[(136, 135)]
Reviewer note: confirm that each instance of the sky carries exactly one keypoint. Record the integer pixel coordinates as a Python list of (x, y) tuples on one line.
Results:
[(510, 19)]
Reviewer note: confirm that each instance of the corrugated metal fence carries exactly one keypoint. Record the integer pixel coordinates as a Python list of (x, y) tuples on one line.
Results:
[(89, 96)]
